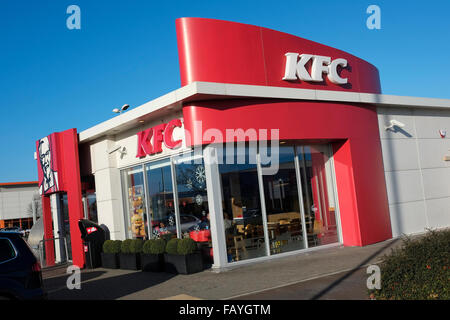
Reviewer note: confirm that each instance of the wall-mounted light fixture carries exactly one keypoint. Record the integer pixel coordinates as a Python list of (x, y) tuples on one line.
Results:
[(122, 151), (122, 109)]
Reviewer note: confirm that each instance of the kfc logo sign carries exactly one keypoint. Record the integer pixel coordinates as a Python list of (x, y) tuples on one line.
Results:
[(150, 141), (296, 68), (48, 175)]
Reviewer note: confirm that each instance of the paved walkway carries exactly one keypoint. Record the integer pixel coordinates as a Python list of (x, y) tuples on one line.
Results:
[(333, 273), (341, 286)]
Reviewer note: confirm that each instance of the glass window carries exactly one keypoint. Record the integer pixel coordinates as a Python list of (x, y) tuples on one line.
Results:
[(192, 195), (283, 206), (92, 206), (65, 227), (27, 223), (318, 195), (6, 250), (243, 221), (187, 219), (136, 219), (161, 202)]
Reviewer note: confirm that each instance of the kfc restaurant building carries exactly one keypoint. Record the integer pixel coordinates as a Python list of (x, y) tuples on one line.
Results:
[(286, 144)]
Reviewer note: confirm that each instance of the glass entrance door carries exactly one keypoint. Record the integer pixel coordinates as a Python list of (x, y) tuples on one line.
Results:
[(318, 194), (283, 206), (293, 208)]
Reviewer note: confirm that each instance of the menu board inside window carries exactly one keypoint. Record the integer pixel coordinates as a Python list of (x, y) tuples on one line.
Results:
[(137, 224), (136, 203)]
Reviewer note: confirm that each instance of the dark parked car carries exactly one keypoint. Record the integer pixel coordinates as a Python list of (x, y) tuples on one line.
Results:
[(20, 271), (13, 230)]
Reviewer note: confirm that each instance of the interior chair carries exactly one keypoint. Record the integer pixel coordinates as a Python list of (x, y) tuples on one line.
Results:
[(239, 245), (295, 228), (317, 229)]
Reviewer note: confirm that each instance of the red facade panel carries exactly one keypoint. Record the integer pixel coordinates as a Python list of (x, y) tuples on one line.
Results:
[(229, 52)]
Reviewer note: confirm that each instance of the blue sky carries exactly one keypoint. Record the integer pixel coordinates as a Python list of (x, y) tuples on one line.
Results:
[(53, 78)]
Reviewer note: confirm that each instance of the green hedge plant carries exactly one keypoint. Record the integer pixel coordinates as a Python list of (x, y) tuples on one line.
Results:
[(154, 246), (147, 245), (158, 246), (172, 246), (186, 246), (136, 245), (106, 246), (112, 246), (115, 246), (125, 246), (419, 270)]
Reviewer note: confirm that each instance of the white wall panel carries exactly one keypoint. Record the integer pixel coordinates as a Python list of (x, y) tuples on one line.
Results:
[(403, 186), (11, 205), (428, 122), (438, 212), (109, 215), (407, 218), (432, 152), (406, 148), (436, 183), (417, 177), (14, 202)]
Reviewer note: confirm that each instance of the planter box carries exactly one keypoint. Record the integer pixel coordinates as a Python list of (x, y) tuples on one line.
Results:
[(110, 260), (207, 254), (130, 261), (152, 262), (183, 264)]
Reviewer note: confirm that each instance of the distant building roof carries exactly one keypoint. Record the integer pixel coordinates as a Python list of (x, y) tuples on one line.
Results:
[(16, 184)]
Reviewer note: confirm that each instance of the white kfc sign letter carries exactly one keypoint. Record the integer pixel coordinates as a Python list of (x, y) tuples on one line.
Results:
[(295, 68)]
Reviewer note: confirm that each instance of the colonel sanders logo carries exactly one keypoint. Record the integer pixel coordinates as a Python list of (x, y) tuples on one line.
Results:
[(49, 182)]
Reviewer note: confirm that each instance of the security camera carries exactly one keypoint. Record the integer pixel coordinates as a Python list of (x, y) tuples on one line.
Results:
[(395, 123)]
